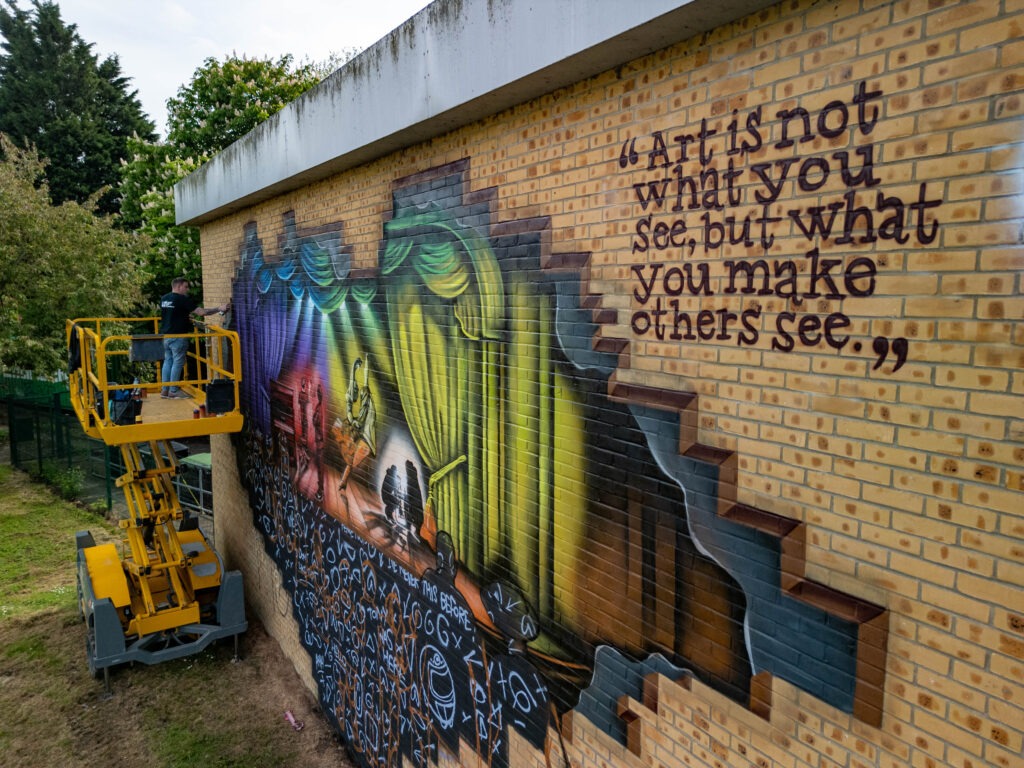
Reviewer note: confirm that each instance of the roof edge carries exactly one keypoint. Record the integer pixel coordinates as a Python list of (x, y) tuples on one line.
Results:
[(493, 54)]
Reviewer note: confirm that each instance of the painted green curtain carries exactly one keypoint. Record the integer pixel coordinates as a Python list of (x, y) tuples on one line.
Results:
[(500, 429), (445, 308), (544, 459)]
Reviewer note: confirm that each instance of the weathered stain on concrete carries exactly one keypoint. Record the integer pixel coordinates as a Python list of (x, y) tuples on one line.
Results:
[(454, 62)]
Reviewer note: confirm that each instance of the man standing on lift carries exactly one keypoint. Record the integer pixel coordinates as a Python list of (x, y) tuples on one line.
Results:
[(176, 310)]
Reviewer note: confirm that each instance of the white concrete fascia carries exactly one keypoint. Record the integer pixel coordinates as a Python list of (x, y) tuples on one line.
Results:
[(454, 62)]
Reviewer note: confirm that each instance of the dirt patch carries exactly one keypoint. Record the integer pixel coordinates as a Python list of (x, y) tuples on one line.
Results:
[(209, 708)]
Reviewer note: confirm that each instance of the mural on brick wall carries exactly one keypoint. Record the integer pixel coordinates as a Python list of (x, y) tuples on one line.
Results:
[(464, 504)]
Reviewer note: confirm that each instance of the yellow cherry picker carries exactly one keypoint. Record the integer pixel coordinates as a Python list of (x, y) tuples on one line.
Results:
[(163, 592)]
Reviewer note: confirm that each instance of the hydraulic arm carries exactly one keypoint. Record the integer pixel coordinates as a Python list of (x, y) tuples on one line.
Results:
[(161, 593)]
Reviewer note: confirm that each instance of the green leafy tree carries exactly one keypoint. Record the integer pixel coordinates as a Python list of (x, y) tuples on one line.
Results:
[(223, 102), (56, 262), (77, 110), (147, 190)]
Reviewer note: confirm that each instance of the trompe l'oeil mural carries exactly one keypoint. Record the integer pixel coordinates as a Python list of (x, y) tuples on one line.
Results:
[(463, 514)]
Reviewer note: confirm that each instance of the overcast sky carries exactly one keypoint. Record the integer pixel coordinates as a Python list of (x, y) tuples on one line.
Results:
[(161, 43)]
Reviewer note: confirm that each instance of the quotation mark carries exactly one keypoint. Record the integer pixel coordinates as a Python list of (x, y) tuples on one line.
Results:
[(628, 155), (882, 346)]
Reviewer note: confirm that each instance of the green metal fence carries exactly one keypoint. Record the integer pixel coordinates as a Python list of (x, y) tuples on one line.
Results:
[(32, 389), (46, 438)]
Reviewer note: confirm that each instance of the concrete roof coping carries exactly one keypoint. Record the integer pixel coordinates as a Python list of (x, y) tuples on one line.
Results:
[(455, 62)]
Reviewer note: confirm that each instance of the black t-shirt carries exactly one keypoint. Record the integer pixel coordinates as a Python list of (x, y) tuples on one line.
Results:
[(175, 312)]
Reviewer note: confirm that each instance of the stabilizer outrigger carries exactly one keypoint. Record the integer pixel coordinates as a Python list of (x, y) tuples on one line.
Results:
[(163, 592)]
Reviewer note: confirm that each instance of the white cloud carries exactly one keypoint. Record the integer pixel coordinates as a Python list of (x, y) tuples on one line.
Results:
[(161, 43)]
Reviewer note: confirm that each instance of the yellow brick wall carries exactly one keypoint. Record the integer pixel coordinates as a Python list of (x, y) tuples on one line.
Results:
[(910, 481)]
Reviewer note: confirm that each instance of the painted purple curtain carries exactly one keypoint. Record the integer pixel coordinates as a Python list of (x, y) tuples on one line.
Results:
[(260, 307)]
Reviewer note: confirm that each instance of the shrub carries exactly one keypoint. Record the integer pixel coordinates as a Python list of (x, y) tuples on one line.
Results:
[(68, 482)]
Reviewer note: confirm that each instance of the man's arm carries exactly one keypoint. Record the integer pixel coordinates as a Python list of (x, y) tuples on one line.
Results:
[(204, 311)]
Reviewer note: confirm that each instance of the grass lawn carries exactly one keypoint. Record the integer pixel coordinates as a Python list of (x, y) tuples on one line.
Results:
[(206, 710)]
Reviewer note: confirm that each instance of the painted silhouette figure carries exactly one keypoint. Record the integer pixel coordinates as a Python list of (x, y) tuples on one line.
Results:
[(413, 500), (318, 440), (303, 440), (403, 504), (391, 494)]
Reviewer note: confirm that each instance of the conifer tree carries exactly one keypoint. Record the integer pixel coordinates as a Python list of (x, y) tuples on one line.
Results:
[(58, 96)]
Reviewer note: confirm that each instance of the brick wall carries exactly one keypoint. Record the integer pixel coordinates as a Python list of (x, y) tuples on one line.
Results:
[(810, 221)]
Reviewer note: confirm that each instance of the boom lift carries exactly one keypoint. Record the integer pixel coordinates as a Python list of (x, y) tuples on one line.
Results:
[(163, 593)]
